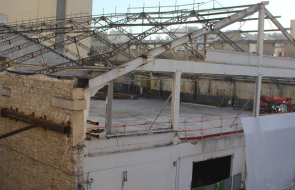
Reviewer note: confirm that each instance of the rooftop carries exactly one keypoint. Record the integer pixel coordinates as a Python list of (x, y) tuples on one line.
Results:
[(198, 120)]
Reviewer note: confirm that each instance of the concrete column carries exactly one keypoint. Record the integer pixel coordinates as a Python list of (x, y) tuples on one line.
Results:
[(260, 39), (205, 45), (292, 24), (159, 93), (195, 90), (109, 108), (256, 107), (60, 9), (60, 14), (234, 93), (175, 100)]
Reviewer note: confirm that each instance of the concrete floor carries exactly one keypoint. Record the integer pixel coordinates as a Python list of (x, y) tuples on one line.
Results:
[(144, 110), (292, 187)]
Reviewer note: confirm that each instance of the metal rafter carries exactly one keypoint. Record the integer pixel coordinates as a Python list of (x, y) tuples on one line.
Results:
[(43, 26), (99, 81), (222, 35), (174, 37), (131, 37), (119, 49), (282, 29), (76, 39), (33, 41), (229, 41)]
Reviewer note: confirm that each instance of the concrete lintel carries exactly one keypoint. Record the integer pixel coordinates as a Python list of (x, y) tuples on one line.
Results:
[(69, 104)]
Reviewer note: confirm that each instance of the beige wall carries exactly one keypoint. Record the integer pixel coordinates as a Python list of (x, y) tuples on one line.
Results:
[(32, 9), (27, 9), (38, 158), (76, 6)]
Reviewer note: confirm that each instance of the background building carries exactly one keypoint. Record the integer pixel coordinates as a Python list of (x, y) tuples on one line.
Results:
[(18, 10)]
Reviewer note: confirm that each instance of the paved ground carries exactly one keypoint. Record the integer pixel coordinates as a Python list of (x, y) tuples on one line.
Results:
[(289, 188), (144, 110)]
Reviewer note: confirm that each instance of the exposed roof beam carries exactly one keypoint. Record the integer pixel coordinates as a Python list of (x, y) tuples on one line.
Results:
[(97, 82), (254, 31), (282, 29), (212, 20)]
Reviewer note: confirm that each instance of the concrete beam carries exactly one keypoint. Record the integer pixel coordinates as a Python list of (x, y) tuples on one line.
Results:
[(237, 68), (98, 82), (69, 104), (236, 17), (250, 59)]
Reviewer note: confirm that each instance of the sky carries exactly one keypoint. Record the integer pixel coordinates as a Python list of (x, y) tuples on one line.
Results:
[(283, 8)]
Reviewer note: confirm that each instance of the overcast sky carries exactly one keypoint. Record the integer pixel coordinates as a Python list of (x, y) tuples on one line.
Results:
[(284, 8)]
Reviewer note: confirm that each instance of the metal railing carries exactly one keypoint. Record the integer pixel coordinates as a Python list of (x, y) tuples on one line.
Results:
[(188, 130), (205, 128)]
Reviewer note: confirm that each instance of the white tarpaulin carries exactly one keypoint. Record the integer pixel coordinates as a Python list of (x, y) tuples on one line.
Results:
[(270, 151)]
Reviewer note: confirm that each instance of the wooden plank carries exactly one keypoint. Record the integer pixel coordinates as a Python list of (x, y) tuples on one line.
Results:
[(92, 122)]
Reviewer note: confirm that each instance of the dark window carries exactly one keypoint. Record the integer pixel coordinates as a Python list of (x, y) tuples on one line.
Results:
[(211, 171)]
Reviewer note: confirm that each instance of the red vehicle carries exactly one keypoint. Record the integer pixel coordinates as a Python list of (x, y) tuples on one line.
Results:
[(275, 104)]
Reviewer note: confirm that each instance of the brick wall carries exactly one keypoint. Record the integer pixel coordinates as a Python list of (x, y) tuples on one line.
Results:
[(39, 158)]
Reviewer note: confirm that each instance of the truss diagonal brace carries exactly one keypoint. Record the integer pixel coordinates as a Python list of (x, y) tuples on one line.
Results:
[(17, 131), (174, 37), (229, 41), (282, 29)]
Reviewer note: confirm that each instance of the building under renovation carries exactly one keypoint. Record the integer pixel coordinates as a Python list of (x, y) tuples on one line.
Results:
[(134, 101)]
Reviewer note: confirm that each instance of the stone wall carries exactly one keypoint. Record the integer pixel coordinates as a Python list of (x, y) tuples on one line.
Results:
[(39, 158)]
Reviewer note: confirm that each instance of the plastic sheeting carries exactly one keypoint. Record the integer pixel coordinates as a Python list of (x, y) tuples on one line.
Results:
[(270, 151)]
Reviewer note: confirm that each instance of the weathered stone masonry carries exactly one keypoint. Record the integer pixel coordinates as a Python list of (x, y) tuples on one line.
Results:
[(39, 158)]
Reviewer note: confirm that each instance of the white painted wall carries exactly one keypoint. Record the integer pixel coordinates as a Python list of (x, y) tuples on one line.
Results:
[(151, 163)]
